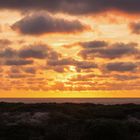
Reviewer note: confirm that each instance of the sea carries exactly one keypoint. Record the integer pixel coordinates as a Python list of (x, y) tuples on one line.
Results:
[(106, 101)]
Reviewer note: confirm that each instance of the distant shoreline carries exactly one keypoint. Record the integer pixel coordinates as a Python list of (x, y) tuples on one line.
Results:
[(106, 101)]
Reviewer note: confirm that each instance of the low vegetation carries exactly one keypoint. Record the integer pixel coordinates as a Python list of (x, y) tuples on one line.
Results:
[(69, 121)]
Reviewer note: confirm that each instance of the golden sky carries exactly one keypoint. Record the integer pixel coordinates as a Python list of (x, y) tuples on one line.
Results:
[(86, 48)]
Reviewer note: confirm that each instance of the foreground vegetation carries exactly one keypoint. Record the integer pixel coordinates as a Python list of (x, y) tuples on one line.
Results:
[(67, 121)]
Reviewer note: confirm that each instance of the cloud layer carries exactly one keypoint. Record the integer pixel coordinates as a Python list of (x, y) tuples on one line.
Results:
[(74, 6), (109, 51), (69, 45)]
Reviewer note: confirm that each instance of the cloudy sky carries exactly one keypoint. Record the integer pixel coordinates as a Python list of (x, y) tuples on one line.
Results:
[(69, 48)]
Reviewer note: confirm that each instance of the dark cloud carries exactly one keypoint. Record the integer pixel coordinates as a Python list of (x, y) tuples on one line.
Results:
[(30, 70), (121, 66), (74, 6), (61, 64), (41, 24), (70, 61), (35, 51), (126, 77), (7, 53), (59, 69), (85, 65), (113, 51), (18, 62), (19, 76), (135, 27), (14, 69), (5, 42), (94, 44)]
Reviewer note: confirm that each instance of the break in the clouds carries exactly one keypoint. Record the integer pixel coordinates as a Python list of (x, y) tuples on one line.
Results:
[(41, 24), (121, 66), (103, 49), (74, 6)]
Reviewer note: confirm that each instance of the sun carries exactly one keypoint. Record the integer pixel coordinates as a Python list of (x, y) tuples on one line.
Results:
[(72, 68)]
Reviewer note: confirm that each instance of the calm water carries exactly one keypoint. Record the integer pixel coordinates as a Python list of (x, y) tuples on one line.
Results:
[(74, 100)]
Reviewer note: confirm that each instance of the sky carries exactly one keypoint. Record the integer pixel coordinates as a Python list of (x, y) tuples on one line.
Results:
[(69, 48)]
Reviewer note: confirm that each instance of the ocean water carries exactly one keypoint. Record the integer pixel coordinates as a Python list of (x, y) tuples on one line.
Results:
[(73, 100)]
